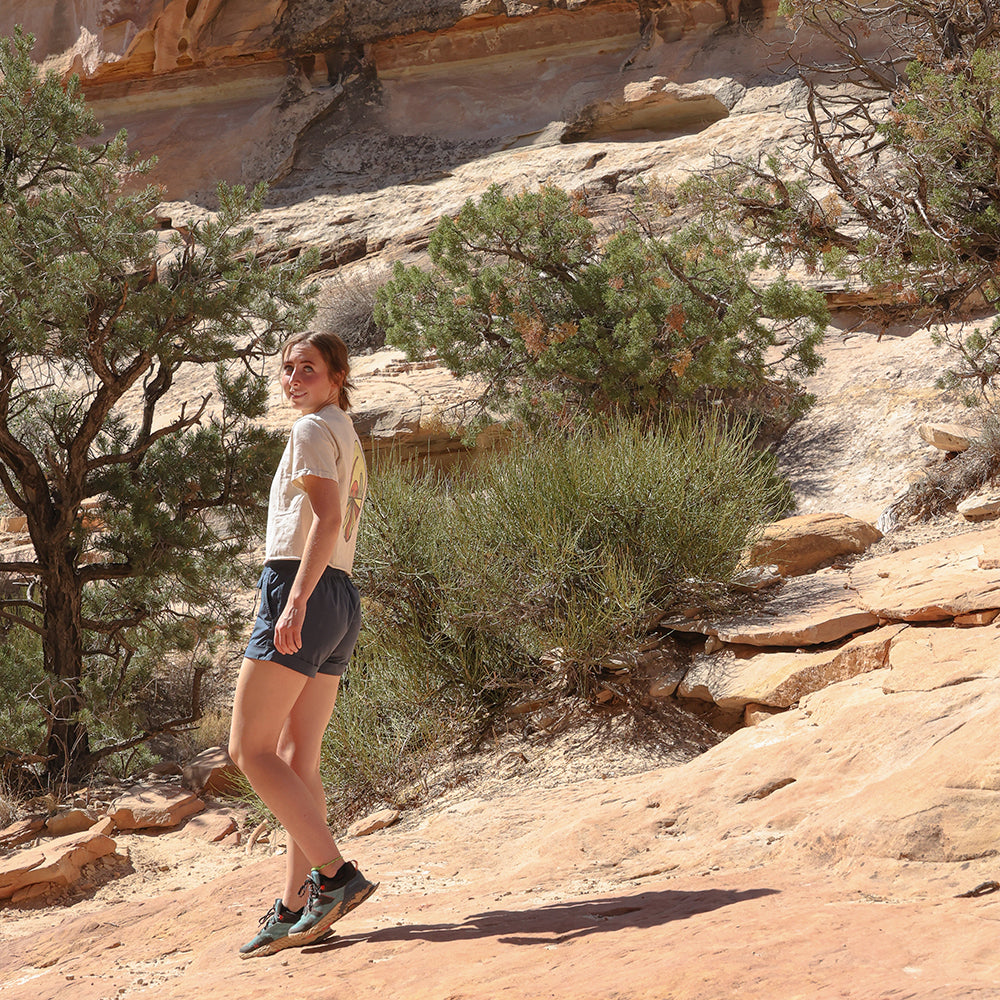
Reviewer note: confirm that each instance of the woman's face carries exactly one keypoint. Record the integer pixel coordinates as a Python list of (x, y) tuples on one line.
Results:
[(306, 380)]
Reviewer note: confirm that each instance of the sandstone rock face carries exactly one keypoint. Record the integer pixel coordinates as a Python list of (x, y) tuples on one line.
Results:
[(800, 544), (244, 90), (154, 804), (933, 582), (930, 658)]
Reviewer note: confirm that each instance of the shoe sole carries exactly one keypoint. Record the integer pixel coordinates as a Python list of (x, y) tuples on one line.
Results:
[(272, 947), (331, 917), (279, 944)]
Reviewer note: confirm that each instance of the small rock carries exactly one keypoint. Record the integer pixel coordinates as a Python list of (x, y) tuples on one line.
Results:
[(980, 506), (664, 684), (376, 821), (757, 578), (71, 821), (105, 826)]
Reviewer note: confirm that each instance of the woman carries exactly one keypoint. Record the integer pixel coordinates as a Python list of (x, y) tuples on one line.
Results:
[(302, 640)]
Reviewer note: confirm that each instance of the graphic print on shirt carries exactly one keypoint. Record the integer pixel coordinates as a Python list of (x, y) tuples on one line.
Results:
[(356, 493)]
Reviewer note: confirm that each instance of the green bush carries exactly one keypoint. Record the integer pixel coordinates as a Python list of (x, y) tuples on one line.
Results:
[(525, 293), (561, 541)]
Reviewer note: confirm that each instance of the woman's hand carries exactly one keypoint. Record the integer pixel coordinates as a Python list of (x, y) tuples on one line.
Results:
[(288, 630)]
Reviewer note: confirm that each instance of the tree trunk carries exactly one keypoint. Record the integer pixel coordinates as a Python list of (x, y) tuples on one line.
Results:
[(62, 647)]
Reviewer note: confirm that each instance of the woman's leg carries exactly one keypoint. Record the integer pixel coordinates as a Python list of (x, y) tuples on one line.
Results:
[(299, 747), (266, 695)]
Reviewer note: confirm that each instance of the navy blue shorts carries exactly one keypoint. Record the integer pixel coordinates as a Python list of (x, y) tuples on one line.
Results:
[(330, 628)]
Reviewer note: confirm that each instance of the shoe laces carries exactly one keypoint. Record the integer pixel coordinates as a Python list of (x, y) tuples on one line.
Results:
[(310, 886)]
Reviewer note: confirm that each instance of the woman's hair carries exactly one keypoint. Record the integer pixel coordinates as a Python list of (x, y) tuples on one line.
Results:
[(333, 351)]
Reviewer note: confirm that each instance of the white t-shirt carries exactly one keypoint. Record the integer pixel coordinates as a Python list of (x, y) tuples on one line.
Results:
[(322, 444)]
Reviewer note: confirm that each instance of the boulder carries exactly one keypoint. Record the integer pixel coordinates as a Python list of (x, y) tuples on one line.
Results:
[(801, 544), (55, 862), (932, 582), (948, 437), (742, 675), (212, 771), (154, 804)]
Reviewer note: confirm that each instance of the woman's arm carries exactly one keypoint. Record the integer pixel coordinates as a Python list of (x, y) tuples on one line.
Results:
[(324, 498)]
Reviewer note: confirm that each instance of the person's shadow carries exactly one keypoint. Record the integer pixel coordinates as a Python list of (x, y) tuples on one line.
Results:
[(560, 922)]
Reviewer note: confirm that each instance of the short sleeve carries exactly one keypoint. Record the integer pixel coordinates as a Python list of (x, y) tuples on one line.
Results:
[(314, 450)]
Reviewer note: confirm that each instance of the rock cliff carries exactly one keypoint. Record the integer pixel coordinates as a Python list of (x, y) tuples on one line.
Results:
[(345, 95)]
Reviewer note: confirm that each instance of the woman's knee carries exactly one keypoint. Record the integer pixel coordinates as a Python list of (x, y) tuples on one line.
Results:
[(304, 761)]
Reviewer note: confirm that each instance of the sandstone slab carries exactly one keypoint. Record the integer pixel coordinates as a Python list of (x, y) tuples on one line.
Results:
[(738, 676), (980, 505), (154, 804), (804, 611), (212, 826), (800, 544), (932, 582), (53, 862), (21, 831)]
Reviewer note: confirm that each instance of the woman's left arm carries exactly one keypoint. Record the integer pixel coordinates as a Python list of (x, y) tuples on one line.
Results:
[(324, 498)]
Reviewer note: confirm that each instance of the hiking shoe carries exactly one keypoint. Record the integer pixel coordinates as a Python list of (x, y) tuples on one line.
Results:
[(273, 933), (329, 900)]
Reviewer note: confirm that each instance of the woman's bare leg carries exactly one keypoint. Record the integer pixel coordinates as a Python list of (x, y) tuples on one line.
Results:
[(266, 695), (299, 747)]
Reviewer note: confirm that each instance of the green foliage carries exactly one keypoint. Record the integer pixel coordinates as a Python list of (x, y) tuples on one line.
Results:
[(24, 691), (523, 294), (901, 192), (561, 541), (99, 312)]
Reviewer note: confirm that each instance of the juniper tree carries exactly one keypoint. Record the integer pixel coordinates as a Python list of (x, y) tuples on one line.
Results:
[(524, 293), (895, 186), (99, 310)]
